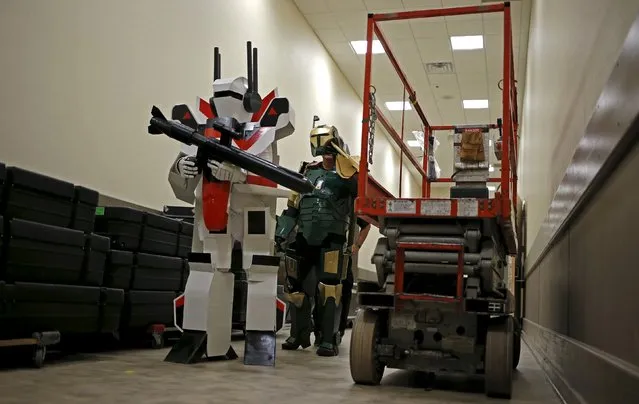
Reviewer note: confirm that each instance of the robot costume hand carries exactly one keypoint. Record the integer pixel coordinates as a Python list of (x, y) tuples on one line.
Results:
[(186, 167), (226, 172)]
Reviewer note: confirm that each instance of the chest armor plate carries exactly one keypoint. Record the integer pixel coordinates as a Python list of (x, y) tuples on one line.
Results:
[(327, 209)]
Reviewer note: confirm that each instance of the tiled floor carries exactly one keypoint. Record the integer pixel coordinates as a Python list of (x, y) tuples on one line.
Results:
[(142, 377)]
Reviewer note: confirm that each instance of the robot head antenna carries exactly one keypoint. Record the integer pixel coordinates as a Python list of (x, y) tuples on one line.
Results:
[(236, 97)]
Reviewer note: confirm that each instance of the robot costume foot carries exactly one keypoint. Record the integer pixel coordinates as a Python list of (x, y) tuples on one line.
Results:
[(326, 349), (292, 343)]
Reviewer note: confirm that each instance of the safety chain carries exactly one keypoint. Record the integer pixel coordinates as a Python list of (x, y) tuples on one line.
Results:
[(372, 117)]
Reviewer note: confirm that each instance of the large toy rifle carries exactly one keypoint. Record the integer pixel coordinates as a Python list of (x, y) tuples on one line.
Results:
[(213, 148)]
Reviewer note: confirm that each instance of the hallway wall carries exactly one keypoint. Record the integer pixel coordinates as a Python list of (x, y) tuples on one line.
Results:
[(579, 162), (573, 46), (80, 77)]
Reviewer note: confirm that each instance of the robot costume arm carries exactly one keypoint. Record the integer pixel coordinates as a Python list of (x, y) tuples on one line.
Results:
[(184, 177), (287, 221), (226, 171)]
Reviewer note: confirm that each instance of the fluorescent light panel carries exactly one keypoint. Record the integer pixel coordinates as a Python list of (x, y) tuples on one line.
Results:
[(397, 106), (492, 188), (360, 47), (414, 143), (468, 42), (475, 104)]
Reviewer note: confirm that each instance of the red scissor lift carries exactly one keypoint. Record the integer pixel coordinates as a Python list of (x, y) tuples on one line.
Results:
[(442, 301)]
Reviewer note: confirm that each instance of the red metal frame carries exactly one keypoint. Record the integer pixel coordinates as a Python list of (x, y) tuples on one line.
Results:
[(372, 204), (399, 271)]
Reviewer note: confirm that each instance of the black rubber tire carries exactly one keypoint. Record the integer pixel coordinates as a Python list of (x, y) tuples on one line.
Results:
[(364, 363), (498, 359), (516, 349), (39, 354)]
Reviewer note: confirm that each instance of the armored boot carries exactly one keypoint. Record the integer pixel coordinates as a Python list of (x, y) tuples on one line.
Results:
[(317, 331), (300, 322), (329, 305)]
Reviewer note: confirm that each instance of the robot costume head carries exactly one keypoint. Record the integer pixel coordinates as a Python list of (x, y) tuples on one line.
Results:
[(323, 138), (236, 97)]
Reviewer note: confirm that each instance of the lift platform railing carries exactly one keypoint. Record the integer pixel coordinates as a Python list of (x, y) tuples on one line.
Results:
[(371, 200)]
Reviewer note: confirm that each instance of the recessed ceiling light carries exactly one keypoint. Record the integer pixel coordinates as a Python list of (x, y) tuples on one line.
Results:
[(492, 188), (360, 47), (414, 143), (469, 42), (491, 169), (475, 104), (397, 106)]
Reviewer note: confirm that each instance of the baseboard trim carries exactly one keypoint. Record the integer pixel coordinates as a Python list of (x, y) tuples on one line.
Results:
[(579, 373)]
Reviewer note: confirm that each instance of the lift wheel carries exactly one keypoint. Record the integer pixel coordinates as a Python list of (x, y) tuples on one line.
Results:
[(366, 367), (499, 358)]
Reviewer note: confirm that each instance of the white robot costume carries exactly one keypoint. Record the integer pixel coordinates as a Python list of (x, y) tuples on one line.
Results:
[(233, 208)]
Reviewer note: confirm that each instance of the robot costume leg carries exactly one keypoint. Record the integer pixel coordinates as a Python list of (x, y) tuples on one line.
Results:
[(261, 318), (208, 304), (332, 271), (300, 287)]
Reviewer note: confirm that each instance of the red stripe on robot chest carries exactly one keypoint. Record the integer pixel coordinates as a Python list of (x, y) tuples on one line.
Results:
[(205, 108), (215, 199)]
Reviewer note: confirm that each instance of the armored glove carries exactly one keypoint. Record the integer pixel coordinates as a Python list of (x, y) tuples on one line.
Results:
[(186, 167), (226, 172)]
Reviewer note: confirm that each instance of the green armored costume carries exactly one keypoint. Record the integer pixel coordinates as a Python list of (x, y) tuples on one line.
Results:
[(316, 259)]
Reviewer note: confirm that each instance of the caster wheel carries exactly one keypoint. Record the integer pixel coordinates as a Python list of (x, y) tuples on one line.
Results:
[(366, 367), (157, 342), (39, 353)]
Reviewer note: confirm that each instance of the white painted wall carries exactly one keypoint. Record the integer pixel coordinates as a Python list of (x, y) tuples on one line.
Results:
[(80, 77), (572, 49)]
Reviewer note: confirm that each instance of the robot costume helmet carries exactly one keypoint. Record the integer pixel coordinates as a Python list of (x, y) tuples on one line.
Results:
[(323, 139), (236, 97)]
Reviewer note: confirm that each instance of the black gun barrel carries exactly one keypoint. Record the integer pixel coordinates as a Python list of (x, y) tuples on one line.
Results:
[(283, 176)]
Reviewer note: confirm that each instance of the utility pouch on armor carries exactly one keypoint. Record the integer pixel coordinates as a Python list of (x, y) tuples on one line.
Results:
[(472, 147)]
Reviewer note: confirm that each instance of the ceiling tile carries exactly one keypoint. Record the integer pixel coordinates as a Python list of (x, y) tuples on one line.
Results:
[(353, 24), (396, 30), (493, 26), (473, 86), (312, 6), (385, 5), (434, 50), (472, 27), (412, 5), (451, 112), (322, 21), (470, 61), (444, 87), (346, 5), (429, 28), (460, 3), (463, 18), (477, 116), (342, 51), (330, 35)]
